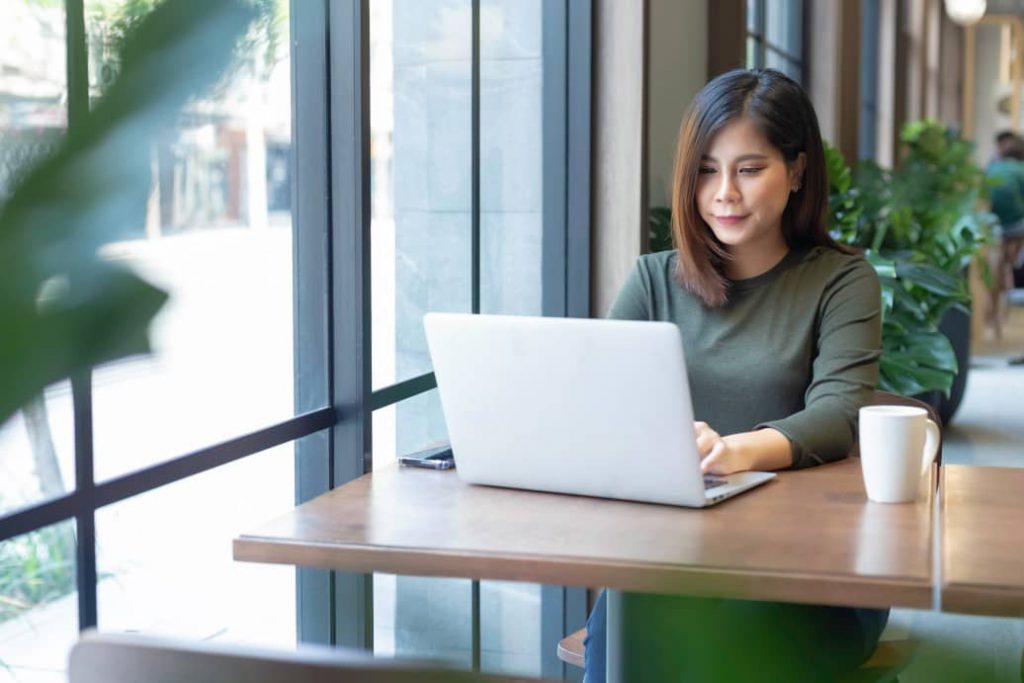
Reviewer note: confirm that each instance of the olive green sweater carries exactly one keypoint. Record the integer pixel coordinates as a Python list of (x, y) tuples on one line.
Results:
[(795, 349)]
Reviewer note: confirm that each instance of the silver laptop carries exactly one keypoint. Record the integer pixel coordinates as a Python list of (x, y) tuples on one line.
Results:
[(591, 407)]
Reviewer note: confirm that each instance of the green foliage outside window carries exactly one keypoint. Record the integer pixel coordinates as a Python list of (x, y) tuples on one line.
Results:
[(36, 568)]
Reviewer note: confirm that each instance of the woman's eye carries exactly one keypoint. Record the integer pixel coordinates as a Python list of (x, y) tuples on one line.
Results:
[(706, 169), (752, 170)]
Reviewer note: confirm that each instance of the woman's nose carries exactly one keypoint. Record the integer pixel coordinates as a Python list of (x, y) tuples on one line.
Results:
[(727, 191)]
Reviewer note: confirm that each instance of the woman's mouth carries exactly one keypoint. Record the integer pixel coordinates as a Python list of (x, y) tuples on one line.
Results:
[(729, 220)]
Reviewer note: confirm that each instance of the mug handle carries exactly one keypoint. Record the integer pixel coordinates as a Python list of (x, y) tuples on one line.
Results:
[(931, 444)]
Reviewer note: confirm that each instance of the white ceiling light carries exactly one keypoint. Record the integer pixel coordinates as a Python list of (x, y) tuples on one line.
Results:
[(965, 12)]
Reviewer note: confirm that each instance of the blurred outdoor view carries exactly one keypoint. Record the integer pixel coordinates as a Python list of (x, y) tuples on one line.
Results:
[(217, 235)]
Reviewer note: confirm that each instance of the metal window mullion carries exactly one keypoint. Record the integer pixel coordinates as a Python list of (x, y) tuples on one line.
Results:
[(349, 246), (382, 398), (762, 31), (475, 249), (788, 56), (90, 496), (85, 517), (311, 182), (578, 31), (578, 88), (553, 155), (475, 154), (81, 383)]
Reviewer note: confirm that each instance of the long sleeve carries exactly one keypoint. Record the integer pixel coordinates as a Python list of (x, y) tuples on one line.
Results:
[(845, 368), (795, 349)]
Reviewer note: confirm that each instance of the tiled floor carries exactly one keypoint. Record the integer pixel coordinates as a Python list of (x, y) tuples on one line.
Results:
[(987, 431)]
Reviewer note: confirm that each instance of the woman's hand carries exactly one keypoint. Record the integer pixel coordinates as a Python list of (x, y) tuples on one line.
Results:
[(763, 449), (716, 454)]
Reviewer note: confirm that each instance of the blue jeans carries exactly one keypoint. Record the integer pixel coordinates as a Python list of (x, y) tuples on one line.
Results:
[(709, 639)]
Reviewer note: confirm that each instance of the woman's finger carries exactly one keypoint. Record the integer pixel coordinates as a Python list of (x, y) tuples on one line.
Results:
[(711, 464)]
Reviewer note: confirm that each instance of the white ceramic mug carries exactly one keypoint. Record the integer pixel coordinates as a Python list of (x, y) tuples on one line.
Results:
[(897, 446)]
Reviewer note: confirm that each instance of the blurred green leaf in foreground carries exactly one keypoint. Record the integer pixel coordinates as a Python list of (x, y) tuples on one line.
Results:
[(62, 308)]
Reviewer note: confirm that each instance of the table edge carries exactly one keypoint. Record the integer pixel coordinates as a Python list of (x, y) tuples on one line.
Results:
[(752, 584)]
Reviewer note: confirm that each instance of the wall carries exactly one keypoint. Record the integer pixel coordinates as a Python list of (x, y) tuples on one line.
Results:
[(617, 151), (987, 121)]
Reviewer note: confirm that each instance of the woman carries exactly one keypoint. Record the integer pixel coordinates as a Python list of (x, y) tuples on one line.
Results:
[(782, 331)]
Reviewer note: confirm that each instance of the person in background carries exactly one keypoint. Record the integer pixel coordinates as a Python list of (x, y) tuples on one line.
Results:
[(1006, 195), (782, 332), (1004, 140)]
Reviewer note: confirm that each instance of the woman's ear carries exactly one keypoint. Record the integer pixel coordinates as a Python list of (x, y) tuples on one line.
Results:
[(796, 172)]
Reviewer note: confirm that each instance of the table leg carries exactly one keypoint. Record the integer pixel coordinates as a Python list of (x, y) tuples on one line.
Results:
[(622, 620)]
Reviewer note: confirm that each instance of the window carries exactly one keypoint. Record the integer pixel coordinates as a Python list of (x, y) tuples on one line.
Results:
[(290, 359), (120, 490), (775, 36), (468, 205), (218, 238), (869, 30)]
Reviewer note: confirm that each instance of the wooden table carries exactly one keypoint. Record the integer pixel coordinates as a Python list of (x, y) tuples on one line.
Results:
[(809, 536), (983, 540)]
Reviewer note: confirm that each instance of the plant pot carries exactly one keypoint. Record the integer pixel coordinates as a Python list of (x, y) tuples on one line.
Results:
[(956, 325)]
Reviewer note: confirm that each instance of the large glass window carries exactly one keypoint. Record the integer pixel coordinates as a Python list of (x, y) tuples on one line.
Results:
[(511, 156), (775, 36), (37, 570), (164, 557), (244, 405), (217, 233), (420, 164), (217, 236), (36, 456), (423, 170)]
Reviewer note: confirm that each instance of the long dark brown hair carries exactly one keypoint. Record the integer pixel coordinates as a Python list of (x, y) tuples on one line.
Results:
[(781, 110)]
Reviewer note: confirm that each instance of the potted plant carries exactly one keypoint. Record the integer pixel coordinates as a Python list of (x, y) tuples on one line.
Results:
[(919, 226)]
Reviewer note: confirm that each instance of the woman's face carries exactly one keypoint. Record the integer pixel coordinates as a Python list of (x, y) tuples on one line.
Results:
[(742, 190)]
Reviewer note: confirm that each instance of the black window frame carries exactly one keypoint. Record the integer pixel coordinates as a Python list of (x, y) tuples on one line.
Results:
[(757, 36)]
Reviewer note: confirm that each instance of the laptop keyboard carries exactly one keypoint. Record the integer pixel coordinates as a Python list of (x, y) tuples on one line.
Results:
[(711, 482)]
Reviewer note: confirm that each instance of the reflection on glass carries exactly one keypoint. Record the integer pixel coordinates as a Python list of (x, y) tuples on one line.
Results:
[(510, 617), (38, 604), (164, 557), (775, 60), (217, 235), (783, 32), (36, 456), (410, 425), (420, 86), (417, 616), (511, 156), (427, 617), (752, 56)]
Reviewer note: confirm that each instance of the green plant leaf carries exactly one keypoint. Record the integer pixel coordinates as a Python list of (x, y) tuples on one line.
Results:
[(932, 279), (63, 308), (900, 375)]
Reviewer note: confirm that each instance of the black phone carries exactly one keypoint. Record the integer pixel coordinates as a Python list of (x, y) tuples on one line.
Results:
[(437, 458)]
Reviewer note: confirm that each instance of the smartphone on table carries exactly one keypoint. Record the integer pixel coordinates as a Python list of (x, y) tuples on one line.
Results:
[(435, 458)]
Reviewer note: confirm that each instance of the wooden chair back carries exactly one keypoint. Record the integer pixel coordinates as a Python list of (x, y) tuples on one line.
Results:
[(122, 658)]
